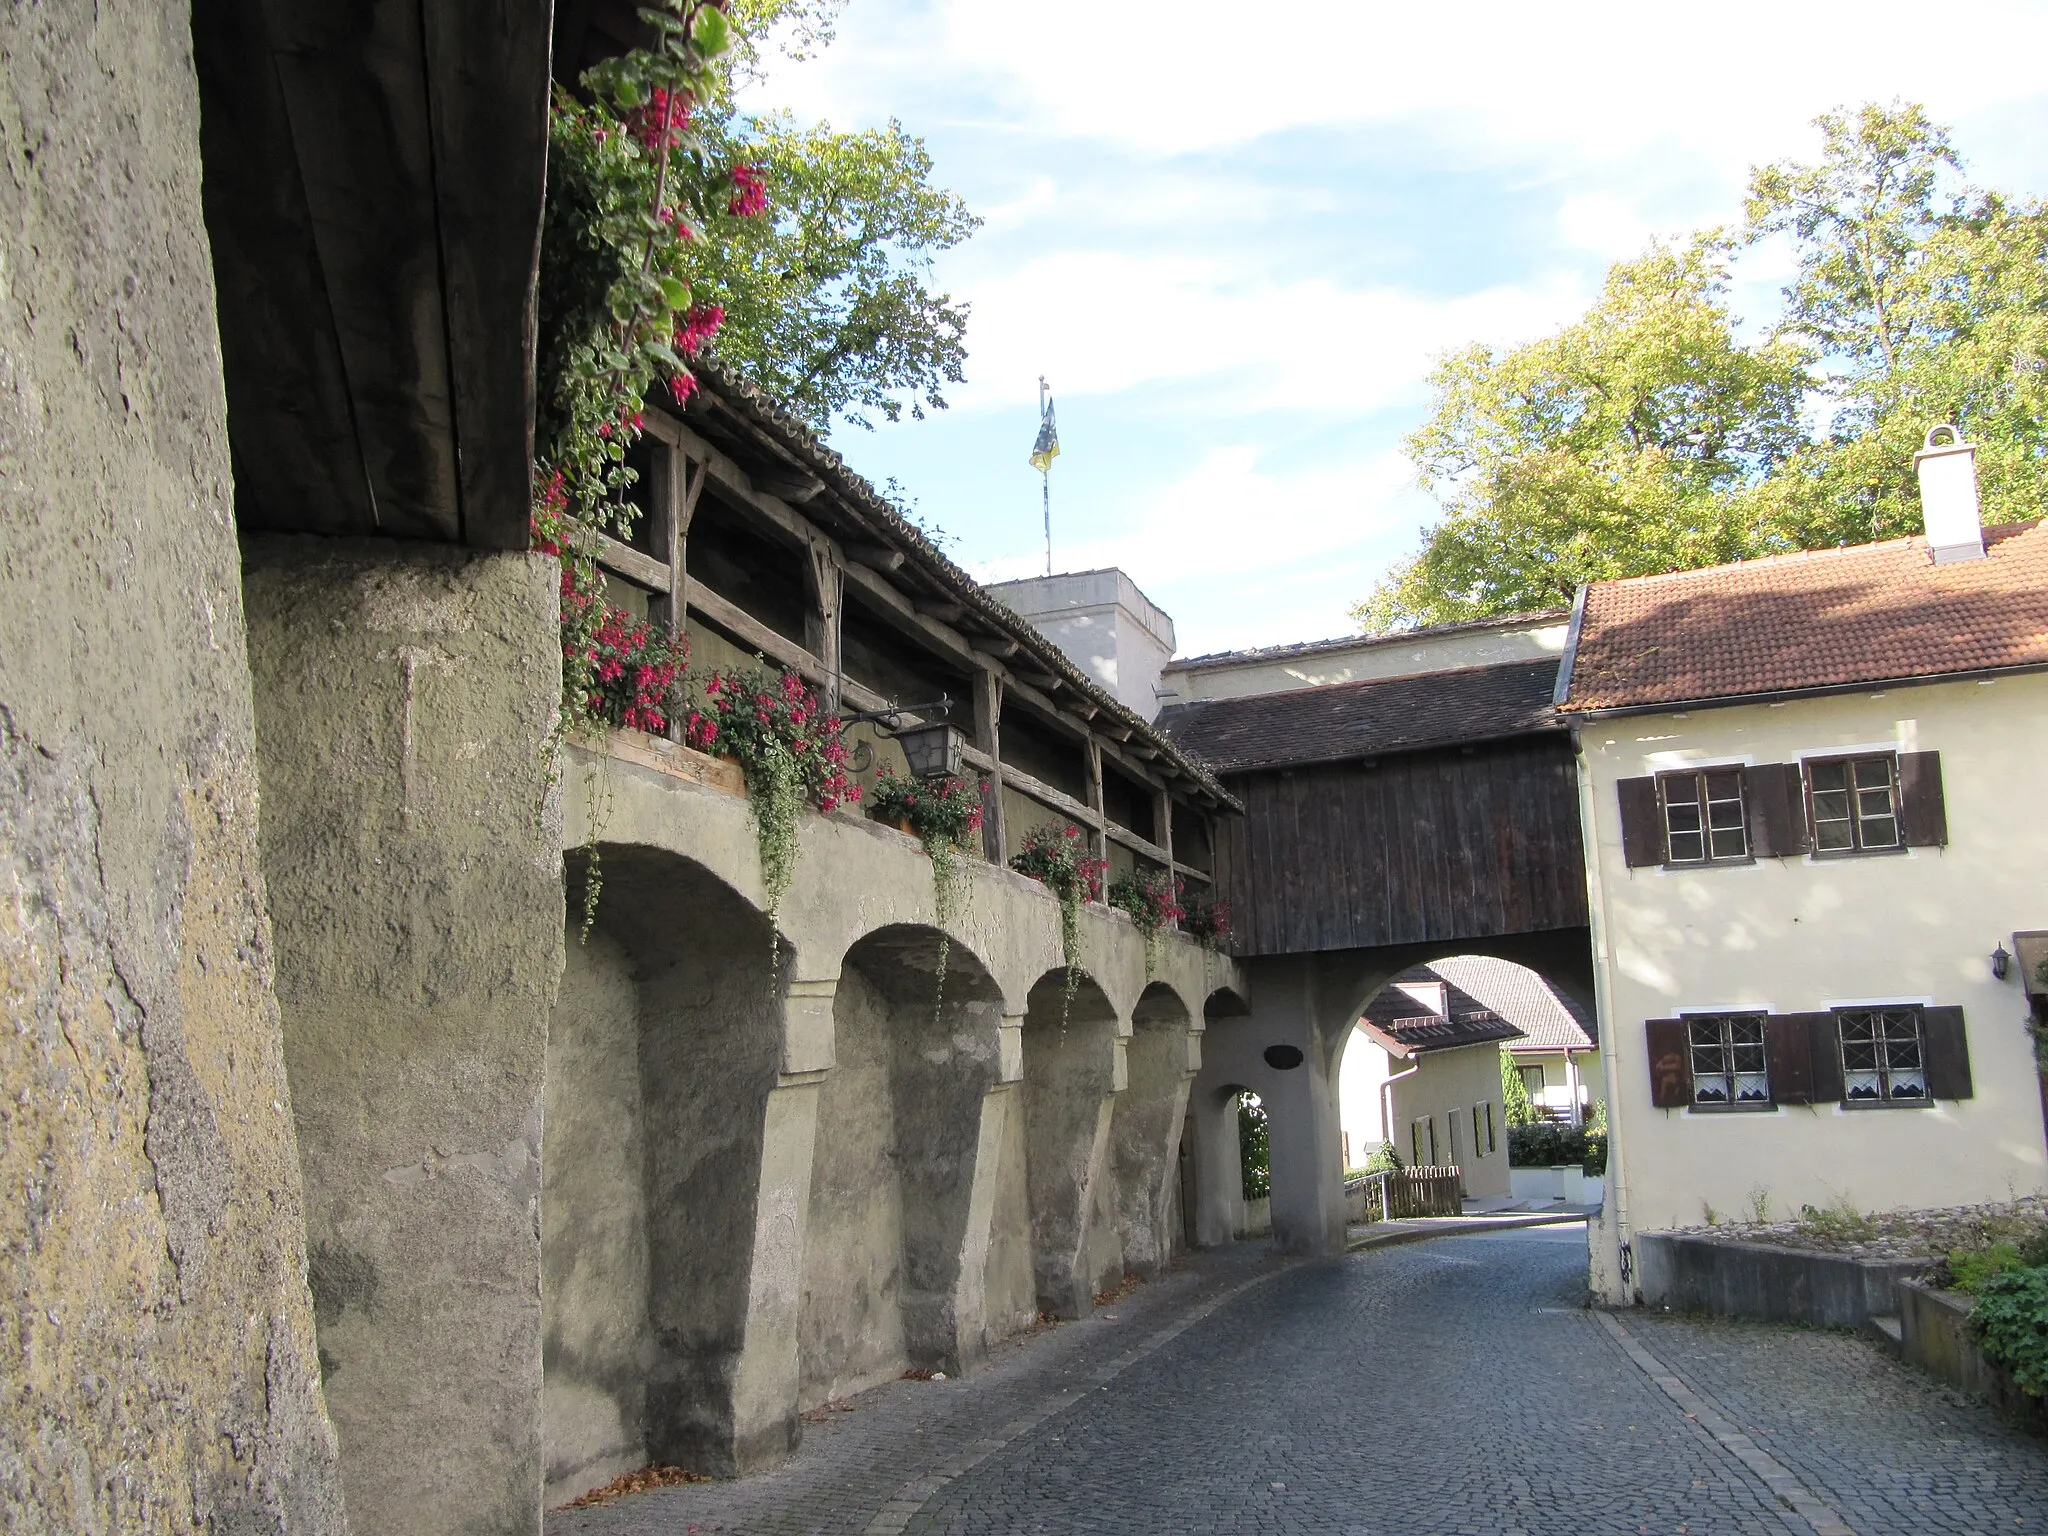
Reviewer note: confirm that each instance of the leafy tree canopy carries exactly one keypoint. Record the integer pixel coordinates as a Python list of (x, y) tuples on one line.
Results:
[(829, 303), (1648, 436)]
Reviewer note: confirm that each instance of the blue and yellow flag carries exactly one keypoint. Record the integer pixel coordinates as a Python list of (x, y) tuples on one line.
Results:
[(1047, 448)]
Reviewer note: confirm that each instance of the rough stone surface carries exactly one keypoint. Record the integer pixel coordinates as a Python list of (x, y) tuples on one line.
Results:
[(1454, 1386), (404, 696), (157, 1370)]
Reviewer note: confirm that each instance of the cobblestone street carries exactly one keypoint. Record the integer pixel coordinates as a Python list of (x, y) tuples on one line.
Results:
[(1449, 1386)]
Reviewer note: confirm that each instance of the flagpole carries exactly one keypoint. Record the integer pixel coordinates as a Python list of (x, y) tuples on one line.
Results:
[(1045, 479)]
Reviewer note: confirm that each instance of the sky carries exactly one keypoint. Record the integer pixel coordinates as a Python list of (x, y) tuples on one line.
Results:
[(1235, 238)]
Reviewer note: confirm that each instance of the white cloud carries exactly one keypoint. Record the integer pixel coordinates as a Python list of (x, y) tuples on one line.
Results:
[(1607, 78), (1602, 223), (1098, 322), (1234, 511)]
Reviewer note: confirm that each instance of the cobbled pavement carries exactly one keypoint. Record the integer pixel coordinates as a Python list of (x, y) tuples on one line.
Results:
[(1448, 1387)]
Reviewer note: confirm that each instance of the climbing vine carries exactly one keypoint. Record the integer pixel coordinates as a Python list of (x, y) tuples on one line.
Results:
[(789, 749), (944, 813), (1059, 859), (1151, 901)]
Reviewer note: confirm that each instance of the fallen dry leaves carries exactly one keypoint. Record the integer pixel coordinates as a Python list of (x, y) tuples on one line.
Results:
[(636, 1482)]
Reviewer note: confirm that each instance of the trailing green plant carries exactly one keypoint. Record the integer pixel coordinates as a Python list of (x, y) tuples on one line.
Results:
[(1254, 1147), (1151, 901), (789, 749), (1058, 858), (1384, 1159), (2010, 1321), (1207, 922), (945, 814)]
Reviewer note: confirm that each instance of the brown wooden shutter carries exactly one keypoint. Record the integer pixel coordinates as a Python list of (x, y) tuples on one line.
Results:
[(1670, 1063), (1642, 822), (1948, 1053), (1788, 1054), (1823, 1053), (1923, 815), (1776, 797)]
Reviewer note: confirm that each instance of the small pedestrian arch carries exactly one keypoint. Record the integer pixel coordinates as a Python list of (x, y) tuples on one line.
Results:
[(917, 1043), (663, 1047)]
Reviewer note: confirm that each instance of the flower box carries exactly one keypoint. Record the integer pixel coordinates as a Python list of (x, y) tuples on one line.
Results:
[(678, 761)]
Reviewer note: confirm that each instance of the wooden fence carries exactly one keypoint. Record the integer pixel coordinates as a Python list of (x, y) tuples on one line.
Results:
[(1405, 1192)]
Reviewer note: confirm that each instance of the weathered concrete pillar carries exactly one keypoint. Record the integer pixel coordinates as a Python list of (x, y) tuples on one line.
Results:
[(158, 1354), (996, 1294), (1074, 1067), (766, 1424), (404, 696)]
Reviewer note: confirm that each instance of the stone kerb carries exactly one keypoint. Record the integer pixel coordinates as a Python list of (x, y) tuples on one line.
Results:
[(1691, 1272), (854, 876)]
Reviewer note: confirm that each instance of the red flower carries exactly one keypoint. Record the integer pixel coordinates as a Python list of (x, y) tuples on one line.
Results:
[(699, 326), (749, 193), (682, 386)]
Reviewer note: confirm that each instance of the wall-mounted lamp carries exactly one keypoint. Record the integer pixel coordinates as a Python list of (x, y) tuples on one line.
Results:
[(2001, 962), (931, 751)]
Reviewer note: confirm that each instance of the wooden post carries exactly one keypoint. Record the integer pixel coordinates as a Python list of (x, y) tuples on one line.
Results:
[(1098, 840), (987, 735), (673, 498), (827, 580)]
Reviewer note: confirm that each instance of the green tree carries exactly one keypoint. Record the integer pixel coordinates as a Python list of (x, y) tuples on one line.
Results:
[(1647, 436), (1514, 1093), (1618, 446), (828, 301), (1254, 1147), (1924, 302)]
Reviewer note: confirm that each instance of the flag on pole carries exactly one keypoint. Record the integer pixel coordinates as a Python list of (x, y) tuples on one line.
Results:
[(1047, 448)]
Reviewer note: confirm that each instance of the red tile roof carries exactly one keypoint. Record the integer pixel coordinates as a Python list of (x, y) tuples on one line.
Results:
[(1872, 613)]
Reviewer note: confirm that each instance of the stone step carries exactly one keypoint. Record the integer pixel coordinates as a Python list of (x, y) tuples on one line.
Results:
[(1887, 1330)]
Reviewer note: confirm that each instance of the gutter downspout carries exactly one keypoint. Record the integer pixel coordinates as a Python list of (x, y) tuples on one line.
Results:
[(1387, 1104)]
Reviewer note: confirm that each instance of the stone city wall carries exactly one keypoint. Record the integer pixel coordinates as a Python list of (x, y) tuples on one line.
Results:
[(784, 1163)]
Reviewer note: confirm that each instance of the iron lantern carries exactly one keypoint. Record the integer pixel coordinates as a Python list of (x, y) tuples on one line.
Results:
[(932, 751), (2000, 962)]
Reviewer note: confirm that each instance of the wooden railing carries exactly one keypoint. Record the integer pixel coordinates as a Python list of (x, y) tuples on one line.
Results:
[(673, 598), (1404, 1192)]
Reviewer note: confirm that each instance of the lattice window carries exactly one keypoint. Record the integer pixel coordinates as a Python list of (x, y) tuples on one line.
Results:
[(1728, 1064), (1884, 1055)]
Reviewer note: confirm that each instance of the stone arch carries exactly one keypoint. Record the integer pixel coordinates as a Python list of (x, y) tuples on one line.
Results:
[(1147, 1126), (899, 1118), (1445, 1105), (663, 1048), (1073, 1068)]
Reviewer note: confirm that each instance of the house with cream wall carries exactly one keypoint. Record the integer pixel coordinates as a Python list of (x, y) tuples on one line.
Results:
[(1421, 1070), (1810, 792)]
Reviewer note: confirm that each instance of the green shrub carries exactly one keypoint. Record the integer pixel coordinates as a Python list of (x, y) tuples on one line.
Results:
[(1544, 1145), (2011, 1322), (1970, 1268), (1596, 1154), (1254, 1147), (1384, 1159)]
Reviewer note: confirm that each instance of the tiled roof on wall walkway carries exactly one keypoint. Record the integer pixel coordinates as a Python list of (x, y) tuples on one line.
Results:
[(1340, 721)]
